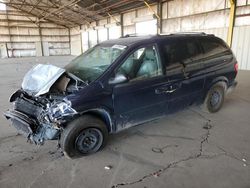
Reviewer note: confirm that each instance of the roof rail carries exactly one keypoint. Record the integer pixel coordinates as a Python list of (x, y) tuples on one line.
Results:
[(189, 33), (129, 35), (137, 35)]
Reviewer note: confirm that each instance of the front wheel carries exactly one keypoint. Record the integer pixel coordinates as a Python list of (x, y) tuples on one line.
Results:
[(83, 136), (215, 97)]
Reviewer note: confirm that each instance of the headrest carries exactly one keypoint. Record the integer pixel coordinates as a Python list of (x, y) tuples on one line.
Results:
[(149, 54)]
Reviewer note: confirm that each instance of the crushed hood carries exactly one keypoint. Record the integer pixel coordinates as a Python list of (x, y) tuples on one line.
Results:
[(40, 78)]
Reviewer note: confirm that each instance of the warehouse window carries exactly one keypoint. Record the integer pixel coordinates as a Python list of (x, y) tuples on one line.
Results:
[(2, 6), (85, 41), (102, 35), (114, 32), (92, 38), (147, 27)]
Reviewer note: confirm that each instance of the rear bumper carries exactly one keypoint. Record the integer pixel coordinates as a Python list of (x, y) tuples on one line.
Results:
[(232, 86)]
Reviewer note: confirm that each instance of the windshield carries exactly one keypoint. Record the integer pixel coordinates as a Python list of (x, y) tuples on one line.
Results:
[(91, 64)]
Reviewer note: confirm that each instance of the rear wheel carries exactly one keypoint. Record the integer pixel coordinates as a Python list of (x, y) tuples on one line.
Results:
[(215, 97), (83, 136)]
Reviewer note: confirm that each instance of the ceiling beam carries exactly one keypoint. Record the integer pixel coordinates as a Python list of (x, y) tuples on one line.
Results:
[(25, 4), (59, 9)]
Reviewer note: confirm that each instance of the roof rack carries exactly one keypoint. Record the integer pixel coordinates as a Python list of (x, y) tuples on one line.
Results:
[(188, 33), (136, 35), (129, 35)]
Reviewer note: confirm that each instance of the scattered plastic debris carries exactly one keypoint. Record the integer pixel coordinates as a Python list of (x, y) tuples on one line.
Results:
[(207, 125), (156, 175), (108, 167), (244, 160), (161, 150), (244, 164)]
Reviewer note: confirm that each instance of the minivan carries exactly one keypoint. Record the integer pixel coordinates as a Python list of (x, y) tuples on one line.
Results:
[(121, 83)]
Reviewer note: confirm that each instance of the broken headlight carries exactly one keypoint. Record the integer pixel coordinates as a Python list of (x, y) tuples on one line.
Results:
[(60, 110)]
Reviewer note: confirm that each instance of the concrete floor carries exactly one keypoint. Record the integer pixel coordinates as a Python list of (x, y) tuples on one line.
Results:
[(188, 149)]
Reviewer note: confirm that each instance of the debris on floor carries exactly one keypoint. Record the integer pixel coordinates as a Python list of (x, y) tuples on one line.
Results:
[(207, 126), (108, 167), (161, 150)]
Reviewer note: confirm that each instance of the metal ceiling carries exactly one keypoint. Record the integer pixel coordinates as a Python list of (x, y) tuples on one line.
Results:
[(70, 13)]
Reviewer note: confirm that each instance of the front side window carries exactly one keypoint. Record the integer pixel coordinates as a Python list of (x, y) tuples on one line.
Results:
[(91, 64), (142, 63)]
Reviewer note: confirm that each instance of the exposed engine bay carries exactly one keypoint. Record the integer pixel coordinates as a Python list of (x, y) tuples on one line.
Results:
[(40, 108)]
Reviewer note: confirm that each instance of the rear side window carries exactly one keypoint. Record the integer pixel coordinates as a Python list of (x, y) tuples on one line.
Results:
[(180, 52), (212, 47), (174, 53)]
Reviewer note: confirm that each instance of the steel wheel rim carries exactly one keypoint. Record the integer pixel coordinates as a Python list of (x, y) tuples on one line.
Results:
[(215, 98), (89, 140)]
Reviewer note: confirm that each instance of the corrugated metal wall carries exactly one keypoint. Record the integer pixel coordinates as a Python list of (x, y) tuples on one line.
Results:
[(211, 17), (241, 46), (21, 37)]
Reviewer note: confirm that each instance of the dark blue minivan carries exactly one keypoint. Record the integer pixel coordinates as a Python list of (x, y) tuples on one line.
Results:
[(121, 83)]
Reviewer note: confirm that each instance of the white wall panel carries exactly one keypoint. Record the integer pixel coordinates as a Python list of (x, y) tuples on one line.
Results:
[(75, 47), (54, 31), (147, 27), (178, 8), (145, 11), (102, 34), (241, 46), (54, 52), (4, 30), (92, 38), (128, 18), (129, 30), (55, 38), (197, 22), (165, 10), (103, 22), (24, 31), (85, 41), (3, 50), (114, 32)]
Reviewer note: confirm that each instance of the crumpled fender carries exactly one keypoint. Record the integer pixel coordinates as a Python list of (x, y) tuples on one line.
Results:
[(40, 78)]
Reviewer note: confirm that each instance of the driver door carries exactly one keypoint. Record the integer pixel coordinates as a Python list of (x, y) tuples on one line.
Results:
[(142, 97)]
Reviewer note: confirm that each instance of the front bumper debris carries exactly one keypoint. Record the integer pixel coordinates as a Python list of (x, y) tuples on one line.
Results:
[(28, 127), (21, 122)]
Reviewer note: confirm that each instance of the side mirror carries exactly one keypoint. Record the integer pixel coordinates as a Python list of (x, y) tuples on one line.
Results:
[(119, 78)]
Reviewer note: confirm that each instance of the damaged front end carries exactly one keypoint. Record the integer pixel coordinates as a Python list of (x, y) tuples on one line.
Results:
[(40, 107)]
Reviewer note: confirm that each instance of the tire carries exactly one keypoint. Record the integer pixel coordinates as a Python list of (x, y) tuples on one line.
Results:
[(83, 136), (215, 97)]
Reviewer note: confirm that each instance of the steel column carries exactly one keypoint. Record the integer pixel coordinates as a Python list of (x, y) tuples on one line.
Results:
[(231, 21)]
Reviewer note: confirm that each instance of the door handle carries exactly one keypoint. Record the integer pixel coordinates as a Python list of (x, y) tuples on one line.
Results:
[(160, 90), (165, 90), (171, 91)]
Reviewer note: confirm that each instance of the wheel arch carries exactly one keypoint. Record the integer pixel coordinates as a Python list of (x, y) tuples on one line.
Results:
[(218, 79), (222, 79), (102, 114)]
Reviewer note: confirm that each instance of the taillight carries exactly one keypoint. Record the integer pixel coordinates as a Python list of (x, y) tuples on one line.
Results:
[(236, 67)]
